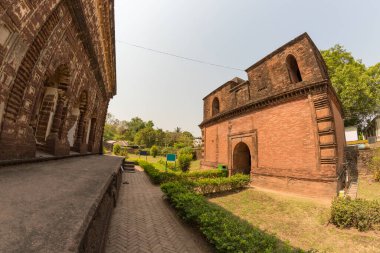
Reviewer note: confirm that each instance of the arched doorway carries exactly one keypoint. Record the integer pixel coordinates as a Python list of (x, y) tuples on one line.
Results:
[(242, 159)]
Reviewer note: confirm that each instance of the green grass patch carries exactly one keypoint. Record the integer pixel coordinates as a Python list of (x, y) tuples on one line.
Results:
[(224, 230), (302, 222)]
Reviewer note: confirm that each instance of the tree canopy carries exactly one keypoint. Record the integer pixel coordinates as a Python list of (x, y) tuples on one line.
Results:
[(140, 132), (357, 86)]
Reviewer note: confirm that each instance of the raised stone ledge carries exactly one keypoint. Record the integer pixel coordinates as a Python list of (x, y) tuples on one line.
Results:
[(58, 206)]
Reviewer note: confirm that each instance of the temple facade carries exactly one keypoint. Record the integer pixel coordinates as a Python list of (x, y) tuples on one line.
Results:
[(283, 126), (57, 75)]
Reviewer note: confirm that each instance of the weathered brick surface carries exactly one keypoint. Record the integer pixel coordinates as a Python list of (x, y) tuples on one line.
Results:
[(294, 129), (52, 54)]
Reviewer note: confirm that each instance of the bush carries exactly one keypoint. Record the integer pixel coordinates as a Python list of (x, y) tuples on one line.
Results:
[(170, 165), (221, 184), (225, 231), (123, 152), (116, 149), (206, 174), (184, 161), (185, 150), (156, 176), (154, 151), (359, 213), (159, 177)]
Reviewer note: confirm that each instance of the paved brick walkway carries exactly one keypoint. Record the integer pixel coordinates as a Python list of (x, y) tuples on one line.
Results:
[(144, 222)]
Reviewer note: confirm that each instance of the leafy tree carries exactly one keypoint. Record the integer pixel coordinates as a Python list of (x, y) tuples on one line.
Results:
[(116, 149), (187, 139), (154, 151), (142, 132), (146, 136), (184, 161), (357, 86)]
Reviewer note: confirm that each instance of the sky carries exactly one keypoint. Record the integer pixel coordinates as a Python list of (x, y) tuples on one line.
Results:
[(235, 33)]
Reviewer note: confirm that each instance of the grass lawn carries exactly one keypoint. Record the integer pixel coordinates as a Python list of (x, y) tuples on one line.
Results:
[(368, 189), (195, 165), (300, 221)]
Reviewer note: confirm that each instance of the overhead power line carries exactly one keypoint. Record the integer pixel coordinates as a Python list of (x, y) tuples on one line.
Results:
[(179, 56)]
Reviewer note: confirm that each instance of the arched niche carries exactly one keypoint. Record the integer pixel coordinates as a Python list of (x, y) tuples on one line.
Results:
[(215, 106), (293, 69)]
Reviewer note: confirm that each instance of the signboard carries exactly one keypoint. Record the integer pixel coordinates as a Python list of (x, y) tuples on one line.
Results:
[(143, 152), (171, 157)]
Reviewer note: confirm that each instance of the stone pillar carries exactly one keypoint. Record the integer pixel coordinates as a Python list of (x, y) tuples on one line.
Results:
[(55, 145), (57, 121), (80, 145)]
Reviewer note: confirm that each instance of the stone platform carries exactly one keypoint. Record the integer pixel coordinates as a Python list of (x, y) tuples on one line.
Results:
[(58, 206)]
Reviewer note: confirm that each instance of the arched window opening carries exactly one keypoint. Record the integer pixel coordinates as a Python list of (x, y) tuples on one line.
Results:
[(215, 106), (293, 70), (242, 159), (48, 108)]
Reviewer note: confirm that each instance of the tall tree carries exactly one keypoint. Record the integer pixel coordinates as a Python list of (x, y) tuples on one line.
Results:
[(356, 85)]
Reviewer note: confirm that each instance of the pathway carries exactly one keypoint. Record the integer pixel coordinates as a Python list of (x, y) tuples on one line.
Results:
[(143, 222)]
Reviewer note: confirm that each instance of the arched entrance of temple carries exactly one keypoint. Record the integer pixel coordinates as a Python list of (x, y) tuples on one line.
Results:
[(241, 159)]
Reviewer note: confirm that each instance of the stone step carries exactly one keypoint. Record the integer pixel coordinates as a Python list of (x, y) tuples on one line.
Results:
[(352, 190)]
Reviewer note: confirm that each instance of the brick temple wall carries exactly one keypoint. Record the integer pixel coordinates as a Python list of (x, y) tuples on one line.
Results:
[(56, 58), (293, 129)]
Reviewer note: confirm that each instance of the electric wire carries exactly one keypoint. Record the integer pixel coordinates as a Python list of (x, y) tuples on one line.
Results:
[(179, 56)]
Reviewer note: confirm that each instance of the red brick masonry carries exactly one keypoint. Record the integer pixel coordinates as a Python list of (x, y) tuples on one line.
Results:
[(288, 116), (57, 75)]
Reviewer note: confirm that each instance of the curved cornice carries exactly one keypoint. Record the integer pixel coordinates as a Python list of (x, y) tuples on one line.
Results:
[(76, 9)]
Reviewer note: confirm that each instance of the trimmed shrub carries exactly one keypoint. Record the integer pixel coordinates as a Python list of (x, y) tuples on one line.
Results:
[(206, 174), (359, 213), (225, 231), (184, 161), (159, 177), (185, 150), (156, 176), (123, 152), (221, 184), (170, 165), (154, 151), (116, 149)]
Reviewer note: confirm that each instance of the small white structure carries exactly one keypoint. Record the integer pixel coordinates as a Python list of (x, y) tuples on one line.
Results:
[(197, 142), (351, 133)]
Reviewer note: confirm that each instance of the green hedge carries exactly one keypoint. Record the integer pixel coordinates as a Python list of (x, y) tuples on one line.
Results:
[(359, 213), (225, 231), (159, 177), (221, 184), (156, 176)]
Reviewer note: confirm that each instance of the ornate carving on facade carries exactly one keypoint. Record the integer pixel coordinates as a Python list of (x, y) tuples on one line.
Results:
[(51, 54)]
